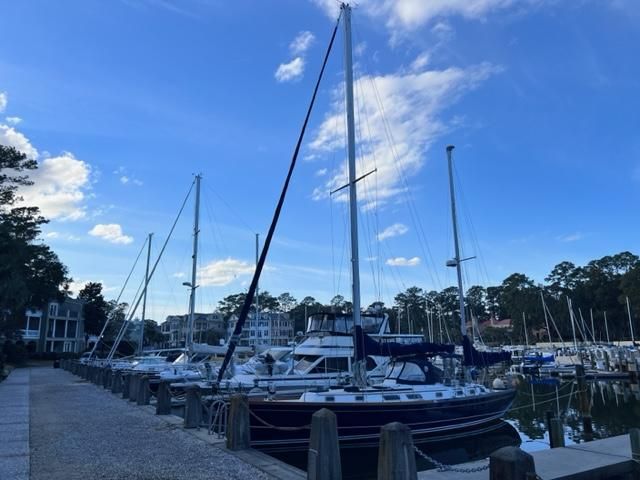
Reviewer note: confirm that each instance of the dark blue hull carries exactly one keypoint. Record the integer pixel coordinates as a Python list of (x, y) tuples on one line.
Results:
[(359, 423)]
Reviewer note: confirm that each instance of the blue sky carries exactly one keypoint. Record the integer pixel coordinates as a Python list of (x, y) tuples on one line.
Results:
[(122, 102)]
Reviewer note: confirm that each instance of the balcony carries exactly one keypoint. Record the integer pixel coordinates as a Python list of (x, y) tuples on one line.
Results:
[(29, 334)]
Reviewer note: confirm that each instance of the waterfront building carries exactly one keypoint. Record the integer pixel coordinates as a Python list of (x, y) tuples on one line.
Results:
[(174, 328), (269, 328), (59, 327)]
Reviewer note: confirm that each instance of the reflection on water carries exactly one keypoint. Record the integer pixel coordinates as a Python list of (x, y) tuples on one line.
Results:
[(615, 409)]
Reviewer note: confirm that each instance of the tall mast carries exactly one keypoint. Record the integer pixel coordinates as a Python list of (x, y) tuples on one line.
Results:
[(633, 340), (257, 315), (546, 318), (606, 327), (351, 152), (573, 326), (194, 267), (526, 334), (144, 301), (456, 260)]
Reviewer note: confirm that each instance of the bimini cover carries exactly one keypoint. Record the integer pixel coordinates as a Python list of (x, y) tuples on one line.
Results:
[(394, 349), (474, 358)]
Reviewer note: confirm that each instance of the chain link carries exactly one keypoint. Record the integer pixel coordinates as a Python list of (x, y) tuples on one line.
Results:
[(449, 468)]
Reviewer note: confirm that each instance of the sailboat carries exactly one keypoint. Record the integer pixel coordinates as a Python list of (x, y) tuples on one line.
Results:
[(413, 392)]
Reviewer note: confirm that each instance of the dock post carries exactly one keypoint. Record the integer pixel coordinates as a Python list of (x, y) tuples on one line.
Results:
[(511, 463), (634, 436), (556, 433), (133, 387), (116, 382), (238, 424), (125, 385), (144, 394), (192, 407), (163, 403), (106, 378), (584, 402), (323, 459), (396, 455)]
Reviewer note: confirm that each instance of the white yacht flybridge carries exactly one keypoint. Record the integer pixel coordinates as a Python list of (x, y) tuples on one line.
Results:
[(324, 357)]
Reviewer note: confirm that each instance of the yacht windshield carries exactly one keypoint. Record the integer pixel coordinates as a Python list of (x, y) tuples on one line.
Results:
[(303, 364), (342, 323)]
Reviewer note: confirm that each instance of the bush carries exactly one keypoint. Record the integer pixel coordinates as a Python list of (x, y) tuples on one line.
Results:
[(53, 356), (14, 353)]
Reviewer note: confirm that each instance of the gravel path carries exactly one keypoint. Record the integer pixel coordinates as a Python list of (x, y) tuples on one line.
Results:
[(79, 431)]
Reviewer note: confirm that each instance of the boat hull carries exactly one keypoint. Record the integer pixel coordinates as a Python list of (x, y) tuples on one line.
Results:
[(287, 423)]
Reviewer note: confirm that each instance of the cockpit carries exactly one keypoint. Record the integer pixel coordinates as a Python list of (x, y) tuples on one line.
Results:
[(414, 372)]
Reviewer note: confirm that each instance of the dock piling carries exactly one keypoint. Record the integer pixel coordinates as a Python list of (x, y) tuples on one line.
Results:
[(163, 403), (192, 407), (323, 459), (556, 433), (116, 382), (396, 456), (133, 387), (634, 435), (511, 463), (238, 436), (144, 394), (125, 385)]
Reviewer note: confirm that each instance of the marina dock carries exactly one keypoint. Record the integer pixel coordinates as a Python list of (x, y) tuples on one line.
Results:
[(54, 425)]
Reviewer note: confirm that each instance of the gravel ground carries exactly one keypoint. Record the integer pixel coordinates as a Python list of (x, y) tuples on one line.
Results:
[(79, 431)]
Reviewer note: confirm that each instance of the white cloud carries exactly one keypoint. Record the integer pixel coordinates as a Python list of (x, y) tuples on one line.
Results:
[(572, 237), (301, 43), (411, 14), (403, 262), (412, 104), (111, 232), (13, 120), (394, 230), (3, 101), (124, 179), (223, 272), (321, 173), (420, 61), (288, 72), (10, 137), (61, 236), (179, 275), (137, 182), (58, 187)]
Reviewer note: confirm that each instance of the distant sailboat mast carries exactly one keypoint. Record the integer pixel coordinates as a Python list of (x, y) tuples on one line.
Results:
[(194, 267), (144, 301)]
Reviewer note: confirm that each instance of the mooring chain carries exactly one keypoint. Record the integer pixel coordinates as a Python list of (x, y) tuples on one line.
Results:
[(449, 468)]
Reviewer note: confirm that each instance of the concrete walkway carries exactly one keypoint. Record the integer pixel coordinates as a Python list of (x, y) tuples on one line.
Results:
[(14, 426), (55, 426)]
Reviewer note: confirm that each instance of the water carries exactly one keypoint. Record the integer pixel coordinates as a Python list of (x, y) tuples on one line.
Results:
[(615, 409)]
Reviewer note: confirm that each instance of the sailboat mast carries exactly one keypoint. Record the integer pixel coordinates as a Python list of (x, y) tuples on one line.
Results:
[(633, 340), (194, 267), (351, 153), (144, 300), (257, 315), (606, 327), (463, 322)]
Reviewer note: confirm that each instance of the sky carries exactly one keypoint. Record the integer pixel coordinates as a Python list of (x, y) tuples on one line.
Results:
[(123, 102)]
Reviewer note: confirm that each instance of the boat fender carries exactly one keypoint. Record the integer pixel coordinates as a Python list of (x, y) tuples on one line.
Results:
[(498, 384)]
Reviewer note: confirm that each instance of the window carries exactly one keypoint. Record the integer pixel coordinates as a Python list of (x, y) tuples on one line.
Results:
[(337, 364), (33, 323), (53, 310), (414, 396), (359, 398), (330, 399), (438, 394), (72, 327), (391, 397), (73, 313)]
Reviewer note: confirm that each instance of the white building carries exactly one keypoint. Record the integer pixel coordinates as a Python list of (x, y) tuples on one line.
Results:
[(175, 327), (270, 328)]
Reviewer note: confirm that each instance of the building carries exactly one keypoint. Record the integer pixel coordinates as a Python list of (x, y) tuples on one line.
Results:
[(57, 328), (174, 328), (270, 328)]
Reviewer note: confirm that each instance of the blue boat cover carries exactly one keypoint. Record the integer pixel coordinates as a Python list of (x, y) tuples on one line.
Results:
[(474, 358), (394, 349)]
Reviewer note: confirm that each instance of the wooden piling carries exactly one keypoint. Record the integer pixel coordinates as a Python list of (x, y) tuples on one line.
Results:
[(238, 423), (106, 378), (556, 433), (192, 407), (511, 463), (634, 436), (323, 459), (144, 394), (133, 387), (116, 382), (163, 403), (125, 385), (396, 455)]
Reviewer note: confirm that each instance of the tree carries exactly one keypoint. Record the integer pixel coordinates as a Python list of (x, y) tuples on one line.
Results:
[(286, 302), (412, 307), (31, 274), (95, 307)]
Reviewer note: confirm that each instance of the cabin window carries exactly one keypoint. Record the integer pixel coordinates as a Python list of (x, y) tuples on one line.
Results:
[(438, 394), (305, 362), (414, 396), (359, 398), (371, 364), (472, 391), (459, 392), (337, 364), (391, 397), (329, 399)]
